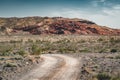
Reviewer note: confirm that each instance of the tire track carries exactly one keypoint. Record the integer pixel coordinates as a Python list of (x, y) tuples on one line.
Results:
[(55, 67), (70, 71), (42, 70)]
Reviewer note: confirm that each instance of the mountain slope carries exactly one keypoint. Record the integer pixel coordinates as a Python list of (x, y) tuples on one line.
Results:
[(55, 25)]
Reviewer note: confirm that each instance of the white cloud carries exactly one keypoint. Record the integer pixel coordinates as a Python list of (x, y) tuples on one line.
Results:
[(117, 7), (113, 11), (96, 3), (105, 20), (107, 17), (70, 13)]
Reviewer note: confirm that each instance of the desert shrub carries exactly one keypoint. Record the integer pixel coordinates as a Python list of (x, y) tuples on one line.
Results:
[(2, 28), (84, 50), (68, 47), (102, 51), (36, 50), (14, 41), (81, 41), (38, 40), (30, 40), (18, 58), (102, 76), (100, 39), (115, 40), (63, 41), (21, 52), (117, 57), (112, 39), (6, 52), (116, 78), (63, 50), (113, 50), (10, 65), (2, 58)]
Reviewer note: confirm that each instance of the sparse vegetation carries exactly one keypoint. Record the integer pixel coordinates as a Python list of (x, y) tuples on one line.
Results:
[(36, 50), (113, 50), (10, 65), (103, 76), (100, 39), (21, 52), (117, 57), (22, 49), (64, 44)]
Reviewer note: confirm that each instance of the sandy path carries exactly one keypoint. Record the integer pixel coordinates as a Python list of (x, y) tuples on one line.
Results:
[(55, 67), (70, 71), (42, 70)]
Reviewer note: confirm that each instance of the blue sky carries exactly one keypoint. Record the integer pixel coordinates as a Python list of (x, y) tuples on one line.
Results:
[(103, 12)]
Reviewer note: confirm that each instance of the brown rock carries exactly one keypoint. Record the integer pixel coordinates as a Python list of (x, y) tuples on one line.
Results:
[(58, 25)]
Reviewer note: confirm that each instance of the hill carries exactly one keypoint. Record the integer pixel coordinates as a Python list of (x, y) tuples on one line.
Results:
[(54, 25)]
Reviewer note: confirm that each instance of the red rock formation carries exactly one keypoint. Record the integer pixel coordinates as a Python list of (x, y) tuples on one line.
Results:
[(68, 26)]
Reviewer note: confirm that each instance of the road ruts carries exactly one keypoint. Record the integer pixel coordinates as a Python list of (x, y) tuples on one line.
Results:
[(55, 67), (70, 71)]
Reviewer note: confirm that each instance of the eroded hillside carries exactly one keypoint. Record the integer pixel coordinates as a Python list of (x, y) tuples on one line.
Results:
[(55, 25)]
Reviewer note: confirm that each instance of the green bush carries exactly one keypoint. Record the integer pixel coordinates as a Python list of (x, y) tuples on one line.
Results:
[(112, 40), (5, 51), (117, 57), (21, 52), (113, 50), (36, 50), (10, 65), (116, 78), (62, 50), (102, 76), (30, 40), (100, 39), (103, 50)]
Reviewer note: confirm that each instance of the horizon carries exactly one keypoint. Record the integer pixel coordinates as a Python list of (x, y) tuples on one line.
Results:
[(102, 12)]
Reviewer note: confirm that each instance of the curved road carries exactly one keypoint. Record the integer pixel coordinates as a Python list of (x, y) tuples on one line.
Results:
[(55, 67)]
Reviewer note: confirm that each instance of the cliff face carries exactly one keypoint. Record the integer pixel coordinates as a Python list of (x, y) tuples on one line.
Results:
[(56, 25)]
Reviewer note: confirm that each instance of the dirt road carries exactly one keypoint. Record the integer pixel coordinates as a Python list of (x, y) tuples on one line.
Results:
[(55, 67)]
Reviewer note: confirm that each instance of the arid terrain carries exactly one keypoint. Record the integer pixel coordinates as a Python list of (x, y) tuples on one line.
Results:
[(44, 48), (59, 57)]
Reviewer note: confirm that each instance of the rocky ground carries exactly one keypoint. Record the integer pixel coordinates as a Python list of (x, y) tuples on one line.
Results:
[(98, 57), (78, 66), (99, 63), (13, 67)]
